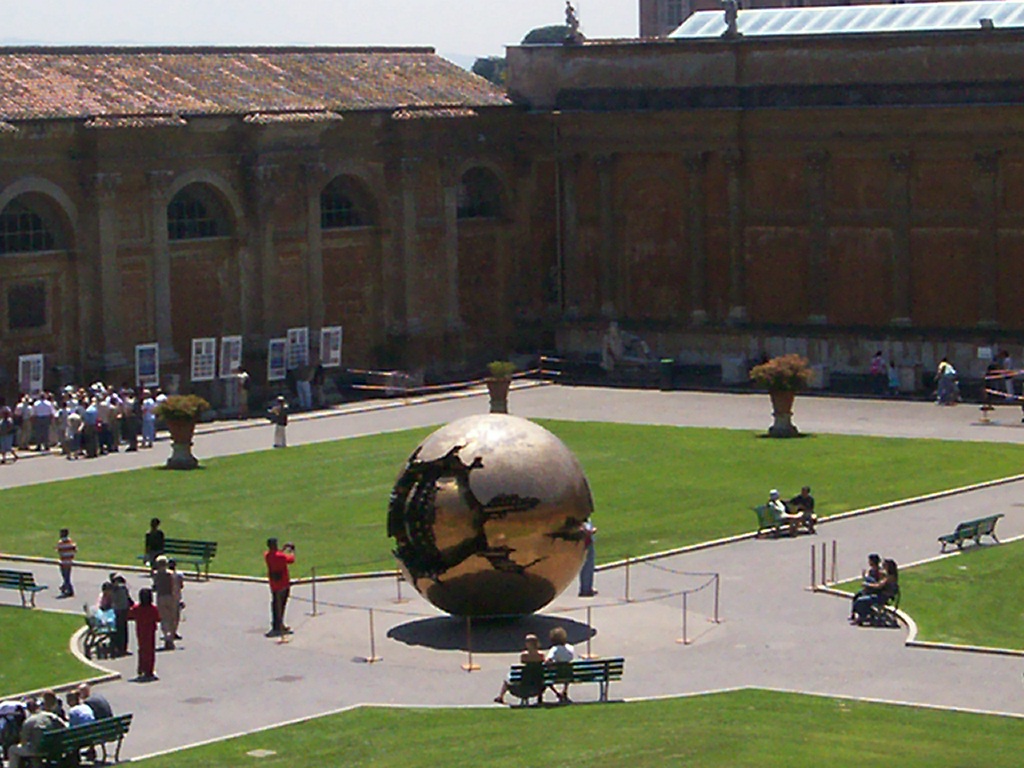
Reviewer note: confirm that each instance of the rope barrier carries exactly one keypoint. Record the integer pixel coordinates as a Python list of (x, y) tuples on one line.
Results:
[(426, 389)]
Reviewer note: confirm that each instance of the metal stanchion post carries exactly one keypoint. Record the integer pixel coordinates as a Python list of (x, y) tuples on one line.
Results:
[(814, 577), (718, 584), (628, 561), (682, 640), (312, 574), (469, 666), (833, 561), (399, 578), (824, 573), (373, 657), (590, 632)]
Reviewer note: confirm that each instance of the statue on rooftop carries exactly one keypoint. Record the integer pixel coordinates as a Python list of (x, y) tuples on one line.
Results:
[(573, 36)]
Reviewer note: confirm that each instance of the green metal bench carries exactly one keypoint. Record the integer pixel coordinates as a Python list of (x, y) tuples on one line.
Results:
[(600, 671), (193, 552), (62, 747), (972, 529), (24, 582)]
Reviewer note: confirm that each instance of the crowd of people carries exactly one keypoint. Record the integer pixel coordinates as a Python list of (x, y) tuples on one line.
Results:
[(24, 721), (81, 422)]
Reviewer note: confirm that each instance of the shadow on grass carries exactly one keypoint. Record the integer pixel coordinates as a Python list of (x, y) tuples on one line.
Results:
[(494, 635)]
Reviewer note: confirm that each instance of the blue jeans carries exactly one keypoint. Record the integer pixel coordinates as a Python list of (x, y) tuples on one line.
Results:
[(587, 572)]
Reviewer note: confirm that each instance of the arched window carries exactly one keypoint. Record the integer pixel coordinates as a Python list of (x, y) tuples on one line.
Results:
[(343, 204), (195, 213), (24, 230), (479, 195)]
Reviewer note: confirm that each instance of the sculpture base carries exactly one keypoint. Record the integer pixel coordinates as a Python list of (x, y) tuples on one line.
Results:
[(181, 457)]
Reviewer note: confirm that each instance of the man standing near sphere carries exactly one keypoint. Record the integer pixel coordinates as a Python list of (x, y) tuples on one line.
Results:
[(277, 561)]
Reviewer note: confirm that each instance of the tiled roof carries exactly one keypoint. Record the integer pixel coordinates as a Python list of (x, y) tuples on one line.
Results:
[(134, 83)]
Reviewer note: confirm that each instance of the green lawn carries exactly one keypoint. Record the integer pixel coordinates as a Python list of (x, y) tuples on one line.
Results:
[(963, 599), (730, 730), (654, 488), (34, 650)]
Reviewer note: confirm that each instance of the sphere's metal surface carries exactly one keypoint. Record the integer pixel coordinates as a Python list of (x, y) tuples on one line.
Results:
[(486, 516)]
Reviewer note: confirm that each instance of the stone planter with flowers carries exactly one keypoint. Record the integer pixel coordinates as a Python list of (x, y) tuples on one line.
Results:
[(181, 413), (783, 377)]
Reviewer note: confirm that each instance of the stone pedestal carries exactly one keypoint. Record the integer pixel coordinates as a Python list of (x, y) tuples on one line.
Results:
[(782, 411), (181, 444)]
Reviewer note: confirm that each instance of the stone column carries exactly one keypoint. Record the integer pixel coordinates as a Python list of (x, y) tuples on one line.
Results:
[(315, 177), (106, 186), (613, 276), (160, 278), (737, 253), (986, 194), (696, 236), (816, 168), (899, 205)]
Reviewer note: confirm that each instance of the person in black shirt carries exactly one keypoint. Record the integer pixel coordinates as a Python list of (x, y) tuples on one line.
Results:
[(154, 542), (804, 504)]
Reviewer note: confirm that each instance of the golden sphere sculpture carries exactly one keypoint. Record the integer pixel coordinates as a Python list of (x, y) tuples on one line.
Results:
[(486, 516)]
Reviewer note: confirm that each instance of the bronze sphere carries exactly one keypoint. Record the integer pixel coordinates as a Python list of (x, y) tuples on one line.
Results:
[(486, 516)]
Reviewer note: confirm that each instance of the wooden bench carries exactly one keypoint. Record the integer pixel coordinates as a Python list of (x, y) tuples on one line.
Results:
[(600, 671), (62, 747), (197, 553), (972, 529), (769, 521), (24, 582), (98, 635)]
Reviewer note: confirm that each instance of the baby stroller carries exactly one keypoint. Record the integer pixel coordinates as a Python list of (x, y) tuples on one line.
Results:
[(12, 715)]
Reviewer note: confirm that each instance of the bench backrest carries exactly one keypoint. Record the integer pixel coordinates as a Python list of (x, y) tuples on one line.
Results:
[(203, 549), (17, 579), (578, 671), (987, 525), (765, 516), (967, 530), (98, 732)]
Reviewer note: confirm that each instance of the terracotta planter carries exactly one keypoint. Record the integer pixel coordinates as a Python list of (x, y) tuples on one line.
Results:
[(498, 390), (782, 412), (182, 431)]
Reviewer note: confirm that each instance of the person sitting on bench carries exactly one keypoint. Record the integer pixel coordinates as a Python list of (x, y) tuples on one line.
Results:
[(870, 576), (803, 503), (560, 652), (781, 511), (532, 655), (877, 594)]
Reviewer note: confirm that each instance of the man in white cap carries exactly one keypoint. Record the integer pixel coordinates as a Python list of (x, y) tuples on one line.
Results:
[(781, 511), (279, 417)]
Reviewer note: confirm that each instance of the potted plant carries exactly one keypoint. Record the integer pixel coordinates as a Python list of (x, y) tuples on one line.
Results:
[(498, 382), (783, 377), (181, 413)]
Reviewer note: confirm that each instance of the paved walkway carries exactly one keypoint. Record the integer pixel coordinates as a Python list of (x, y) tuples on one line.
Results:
[(227, 678)]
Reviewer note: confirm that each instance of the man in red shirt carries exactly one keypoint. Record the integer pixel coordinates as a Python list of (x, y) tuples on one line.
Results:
[(278, 561)]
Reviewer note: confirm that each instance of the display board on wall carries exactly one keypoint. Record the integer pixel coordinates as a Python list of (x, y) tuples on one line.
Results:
[(330, 346), (230, 355), (30, 373), (147, 365), (204, 359), (298, 348), (277, 358)]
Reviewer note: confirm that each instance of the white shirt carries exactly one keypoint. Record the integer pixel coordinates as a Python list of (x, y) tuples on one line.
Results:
[(560, 653)]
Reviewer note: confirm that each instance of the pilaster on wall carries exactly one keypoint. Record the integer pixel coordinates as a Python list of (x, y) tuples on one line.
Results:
[(986, 196), (106, 186), (737, 257), (900, 163), (816, 169), (613, 275), (265, 189), (571, 277), (314, 176), (160, 284), (410, 324), (696, 169), (450, 213)]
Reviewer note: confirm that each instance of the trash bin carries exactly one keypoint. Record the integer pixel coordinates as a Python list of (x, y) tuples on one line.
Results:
[(667, 363)]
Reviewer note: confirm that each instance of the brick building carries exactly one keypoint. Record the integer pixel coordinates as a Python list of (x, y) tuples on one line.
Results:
[(828, 181), (162, 196)]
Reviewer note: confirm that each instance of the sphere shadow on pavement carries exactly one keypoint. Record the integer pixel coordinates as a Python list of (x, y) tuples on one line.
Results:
[(494, 635)]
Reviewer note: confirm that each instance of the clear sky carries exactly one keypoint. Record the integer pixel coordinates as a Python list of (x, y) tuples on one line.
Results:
[(458, 29)]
